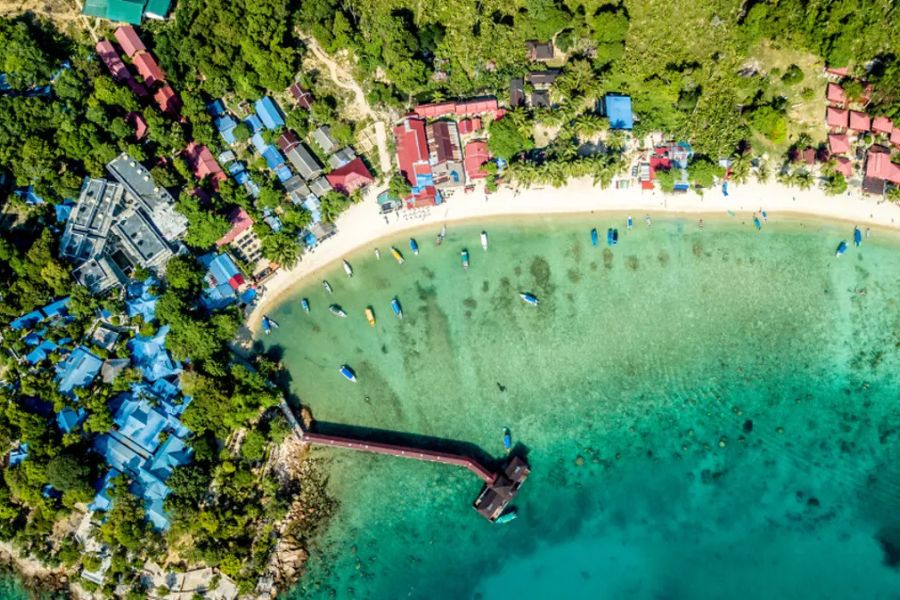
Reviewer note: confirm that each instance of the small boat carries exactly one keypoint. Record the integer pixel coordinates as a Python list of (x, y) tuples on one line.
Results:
[(397, 256), (842, 247), (612, 237), (370, 316), (464, 255), (377, 254), (629, 223), (756, 223), (305, 304), (857, 236), (506, 517), (267, 325), (529, 298), (507, 439), (348, 373), (764, 215), (615, 236), (438, 240), (484, 240), (337, 311), (395, 306), (648, 221), (414, 246), (327, 286), (594, 238), (273, 324), (348, 269)]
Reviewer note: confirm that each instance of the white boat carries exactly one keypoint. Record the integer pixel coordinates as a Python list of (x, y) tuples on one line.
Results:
[(327, 286), (529, 298), (348, 269), (348, 373), (337, 311), (484, 240), (377, 254)]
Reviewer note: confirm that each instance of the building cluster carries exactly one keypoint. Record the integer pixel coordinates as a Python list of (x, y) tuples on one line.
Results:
[(120, 224), (153, 80), (849, 123), (126, 11), (442, 147)]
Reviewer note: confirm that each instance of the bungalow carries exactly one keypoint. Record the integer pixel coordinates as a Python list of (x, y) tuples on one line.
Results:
[(882, 125), (516, 92), (269, 113), (113, 62), (476, 155), (129, 41), (838, 143), (859, 121), (836, 118), (304, 161), (445, 154), (895, 136), (542, 80), (843, 166), (541, 99), (835, 95), (350, 177), (148, 69), (539, 51), (78, 371), (319, 186), (157, 9), (880, 171), (303, 98), (618, 109), (322, 136), (121, 11), (140, 125), (467, 126), (412, 146), (224, 281), (296, 189), (204, 164), (241, 239), (341, 157), (287, 140), (167, 100)]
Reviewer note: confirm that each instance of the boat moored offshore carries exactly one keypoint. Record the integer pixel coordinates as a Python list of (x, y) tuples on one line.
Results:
[(841, 249), (507, 439), (529, 298), (377, 254), (595, 239), (756, 223), (348, 269), (506, 517), (348, 373), (337, 311), (414, 246), (629, 223), (464, 255), (612, 237), (327, 286), (857, 236), (305, 304), (395, 306), (370, 316), (484, 240), (266, 325), (397, 256)]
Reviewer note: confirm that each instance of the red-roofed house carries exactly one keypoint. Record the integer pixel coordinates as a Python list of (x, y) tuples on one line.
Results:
[(838, 143), (287, 140), (879, 169), (434, 110), (129, 41), (167, 100), (882, 125), (476, 155), (837, 71), (412, 147), (204, 164), (859, 121), (113, 62), (843, 166), (476, 107), (895, 136), (147, 67), (427, 196), (304, 99), (140, 125), (835, 94), (836, 118), (808, 155), (350, 177), (472, 125)]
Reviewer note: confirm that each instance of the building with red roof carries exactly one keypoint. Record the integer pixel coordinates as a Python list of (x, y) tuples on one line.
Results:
[(204, 164), (167, 100), (859, 121), (879, 170), (304, 99), (838, 71), (464, 108), (838, 143), (426, 196), (882, 125), (240, 223), (140, 125), (287, 140), (895, 136), (147, 67), (837, 118), (843, 166), (476, 155), (129, 41), (835, 94), (350, 177), (467, 126), (113, 61), (412, 146)]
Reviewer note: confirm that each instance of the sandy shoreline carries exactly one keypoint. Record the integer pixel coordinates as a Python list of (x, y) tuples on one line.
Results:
[(361, 224)]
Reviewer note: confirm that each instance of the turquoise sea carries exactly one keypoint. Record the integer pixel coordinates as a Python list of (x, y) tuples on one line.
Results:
[(708, 413)]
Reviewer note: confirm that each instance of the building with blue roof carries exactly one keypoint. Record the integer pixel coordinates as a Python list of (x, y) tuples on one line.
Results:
[(258, 142), (41, 352), (140, 300), (27, 321), (274, 158), (225, 126), (149, 354), (254, 123), (283, 172), (618, 111), (78, 371), (216, 108), (269, 113), (67, 419), (223, 279), (18, 454)]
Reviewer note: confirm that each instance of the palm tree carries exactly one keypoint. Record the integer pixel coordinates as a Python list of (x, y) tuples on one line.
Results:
[(740, 169), (587, 125), (281, 248), (802, 178), (763, 174)]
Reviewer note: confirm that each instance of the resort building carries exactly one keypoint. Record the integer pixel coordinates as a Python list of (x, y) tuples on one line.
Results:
[(126, 11), (243, 242), (880, 171), (476, 155), (539, 51), (323, 138), (412, 147), (445, 154), (341, 157), (269, 113), (303, 98), (350, 177), (304, 161)]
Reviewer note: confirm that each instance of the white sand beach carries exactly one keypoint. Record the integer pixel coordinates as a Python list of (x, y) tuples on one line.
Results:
[(362, 224)]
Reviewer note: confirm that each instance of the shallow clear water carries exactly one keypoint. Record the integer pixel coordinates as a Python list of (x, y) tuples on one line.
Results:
[(707, 414)]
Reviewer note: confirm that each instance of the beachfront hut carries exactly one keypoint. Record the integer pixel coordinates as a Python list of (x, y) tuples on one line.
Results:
[(843, 166), (859, 121), (882, 125), (838, 143), (836, 118), (129, 41), (350, 177), (476, 154), (835, 94)]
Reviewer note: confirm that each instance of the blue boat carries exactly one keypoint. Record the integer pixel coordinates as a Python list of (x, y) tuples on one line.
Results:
[(529, 298), (841, 249), (764, 216), (395, 306), (507, 439), (609, 237), (267, 327), (465, 258), (348, 373), (594, 236), (615, 236), (305, 304), (414, 246), (630, 223), (756, 223), (857, 236)]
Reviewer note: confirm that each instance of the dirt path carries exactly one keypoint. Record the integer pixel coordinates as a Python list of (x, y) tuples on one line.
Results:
[(359, 107), (62, 12)]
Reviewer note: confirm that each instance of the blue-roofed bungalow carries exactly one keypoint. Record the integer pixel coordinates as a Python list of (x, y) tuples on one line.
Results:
[(102, 501), (150, 356), (57, 309), (67, 419), (258, 142), (269, 113), (78, 371), (225, 126), (18, 454), (273, 157), (254, 123), (216, 108), (140, 300), (27, 321), (618, 110)]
